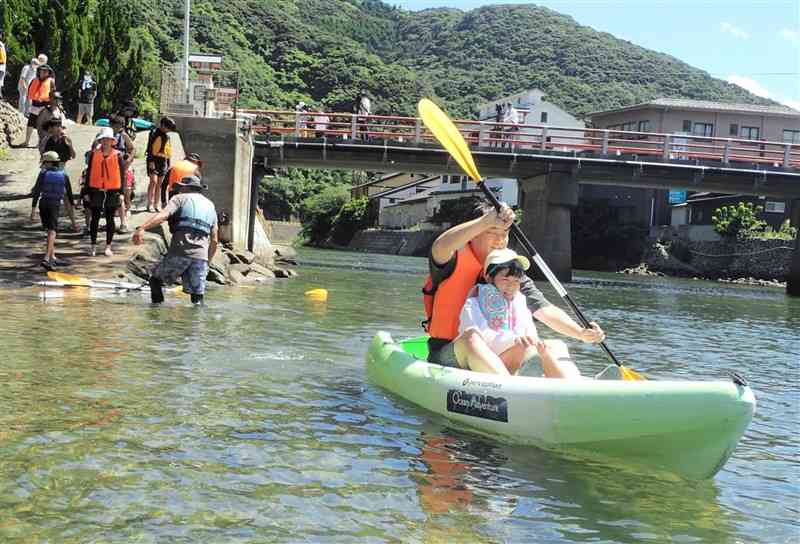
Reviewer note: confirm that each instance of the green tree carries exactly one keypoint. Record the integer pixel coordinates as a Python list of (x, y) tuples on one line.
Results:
[(318, 212), (739, 221)]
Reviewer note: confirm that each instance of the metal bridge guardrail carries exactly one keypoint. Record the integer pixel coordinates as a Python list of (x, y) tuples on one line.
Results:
[(518, 137)]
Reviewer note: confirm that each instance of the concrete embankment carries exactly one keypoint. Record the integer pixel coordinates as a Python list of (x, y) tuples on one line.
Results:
[(416, 243)]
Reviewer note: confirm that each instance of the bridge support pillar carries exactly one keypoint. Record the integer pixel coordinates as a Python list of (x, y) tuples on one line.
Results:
[(547, 201), (793, 282)]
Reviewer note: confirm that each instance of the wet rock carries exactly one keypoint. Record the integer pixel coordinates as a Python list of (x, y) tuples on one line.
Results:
[(242, 268), (234, 276), (148, 256), (217, 277), (256, 268), (245, 256), (282, 273), (284, 252)]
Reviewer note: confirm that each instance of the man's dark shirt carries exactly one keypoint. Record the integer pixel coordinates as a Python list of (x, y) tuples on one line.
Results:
[(533, 295)]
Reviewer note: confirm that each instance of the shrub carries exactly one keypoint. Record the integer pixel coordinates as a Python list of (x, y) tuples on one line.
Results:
[(785, 232), (318, 212), (353, 216), (739, 221)]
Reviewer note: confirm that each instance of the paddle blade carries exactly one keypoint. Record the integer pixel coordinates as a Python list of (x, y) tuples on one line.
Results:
[(448, 135), (69, 279), (630, 375)]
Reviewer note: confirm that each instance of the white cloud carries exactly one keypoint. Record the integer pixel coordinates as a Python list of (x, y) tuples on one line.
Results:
[(734, 31), (750, 84), (759, 90), (791, 36)]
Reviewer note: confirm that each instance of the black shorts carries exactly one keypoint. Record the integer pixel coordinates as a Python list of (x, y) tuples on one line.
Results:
[(159, 167), (104, 200), (49, 212), (33, 119)]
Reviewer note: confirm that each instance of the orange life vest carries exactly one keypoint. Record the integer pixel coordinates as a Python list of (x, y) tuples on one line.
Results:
[(451, 294), (105, 173), (2, 54), (39, 90), (182, 169)]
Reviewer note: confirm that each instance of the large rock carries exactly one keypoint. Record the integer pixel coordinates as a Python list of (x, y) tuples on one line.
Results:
[(256, 268), (12, 124), (147, 256), (659, 258)]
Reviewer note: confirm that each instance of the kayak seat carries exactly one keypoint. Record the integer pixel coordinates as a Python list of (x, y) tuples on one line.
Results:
[(417, 347)]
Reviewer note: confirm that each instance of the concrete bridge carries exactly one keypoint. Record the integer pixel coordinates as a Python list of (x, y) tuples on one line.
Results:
[(548, 161)]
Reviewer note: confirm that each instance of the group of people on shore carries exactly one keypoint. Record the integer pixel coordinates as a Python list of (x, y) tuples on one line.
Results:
[(107, 191), (480, 304)]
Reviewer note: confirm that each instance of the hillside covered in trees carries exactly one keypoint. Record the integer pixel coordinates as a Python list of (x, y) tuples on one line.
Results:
[(325, 51)]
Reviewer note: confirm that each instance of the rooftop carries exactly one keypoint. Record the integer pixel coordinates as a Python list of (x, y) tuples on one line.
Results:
[(705, 105)]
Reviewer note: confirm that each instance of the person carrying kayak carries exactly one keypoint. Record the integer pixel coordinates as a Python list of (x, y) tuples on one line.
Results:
[(51, 187), (498, 312), (456, 266), (194, 241)]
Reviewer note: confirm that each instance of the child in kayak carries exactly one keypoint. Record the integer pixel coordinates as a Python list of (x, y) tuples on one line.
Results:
[(497, 310)]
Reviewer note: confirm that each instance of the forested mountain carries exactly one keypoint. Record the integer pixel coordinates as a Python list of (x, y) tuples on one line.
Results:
[(325, 51)]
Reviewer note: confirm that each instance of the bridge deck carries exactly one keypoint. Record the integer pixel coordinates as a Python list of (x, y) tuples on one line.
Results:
[(596, 156)]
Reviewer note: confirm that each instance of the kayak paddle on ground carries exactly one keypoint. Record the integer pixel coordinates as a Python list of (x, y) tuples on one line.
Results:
[(448, 135)]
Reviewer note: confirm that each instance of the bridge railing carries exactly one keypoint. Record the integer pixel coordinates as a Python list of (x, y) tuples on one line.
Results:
[(518, 137)]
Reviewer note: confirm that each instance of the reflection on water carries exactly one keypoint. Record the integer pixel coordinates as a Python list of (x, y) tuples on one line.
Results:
[(250, 420)]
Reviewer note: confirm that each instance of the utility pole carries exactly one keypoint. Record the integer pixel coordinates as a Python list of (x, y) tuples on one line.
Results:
[(186, 17)]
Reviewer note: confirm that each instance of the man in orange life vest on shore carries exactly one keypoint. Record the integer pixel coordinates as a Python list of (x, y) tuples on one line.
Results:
[(106, 170), (456, 265), (188, 167)]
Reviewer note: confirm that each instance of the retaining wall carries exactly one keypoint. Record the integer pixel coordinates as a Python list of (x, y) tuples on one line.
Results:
[(416, 243), (282, 232), (761, 259)]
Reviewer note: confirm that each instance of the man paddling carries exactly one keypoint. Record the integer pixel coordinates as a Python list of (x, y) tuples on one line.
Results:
[(456, 265), (194, 241)]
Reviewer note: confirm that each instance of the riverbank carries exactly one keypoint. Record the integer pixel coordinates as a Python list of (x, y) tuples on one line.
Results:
[(764, 263), (23, 241)]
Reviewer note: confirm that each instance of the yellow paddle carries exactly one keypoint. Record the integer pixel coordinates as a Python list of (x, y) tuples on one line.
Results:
[(69, 279), (448, 135), (73, 280)]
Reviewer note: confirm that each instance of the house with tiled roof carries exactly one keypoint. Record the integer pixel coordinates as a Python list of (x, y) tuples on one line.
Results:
[(773, 123)]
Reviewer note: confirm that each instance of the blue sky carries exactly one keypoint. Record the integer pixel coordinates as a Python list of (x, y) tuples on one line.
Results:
[(753, 43)]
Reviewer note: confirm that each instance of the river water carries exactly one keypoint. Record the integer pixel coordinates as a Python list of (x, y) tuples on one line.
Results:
[(251, 420)]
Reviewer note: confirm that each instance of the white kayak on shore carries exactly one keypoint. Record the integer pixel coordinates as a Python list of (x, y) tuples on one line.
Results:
[(686, 427)]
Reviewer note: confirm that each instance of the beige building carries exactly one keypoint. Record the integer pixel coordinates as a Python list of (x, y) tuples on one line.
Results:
[(704, 118)]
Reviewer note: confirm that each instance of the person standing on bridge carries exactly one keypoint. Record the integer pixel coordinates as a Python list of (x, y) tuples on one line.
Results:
[(194, 241), (159, 152), (363, 109), (456, 266)]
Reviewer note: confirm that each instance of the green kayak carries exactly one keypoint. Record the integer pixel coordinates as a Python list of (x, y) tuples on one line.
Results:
[(685, 427)]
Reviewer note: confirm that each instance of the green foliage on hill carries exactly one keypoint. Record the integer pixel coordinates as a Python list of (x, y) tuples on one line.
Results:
[(325, 51)]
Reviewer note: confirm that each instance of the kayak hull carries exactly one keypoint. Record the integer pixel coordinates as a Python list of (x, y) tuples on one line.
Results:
[(687, 428)]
